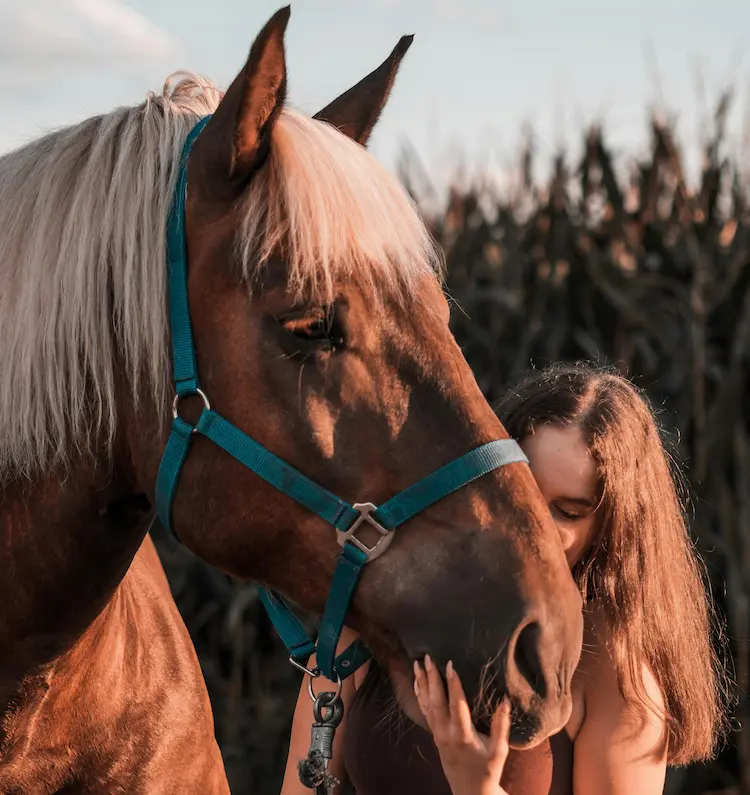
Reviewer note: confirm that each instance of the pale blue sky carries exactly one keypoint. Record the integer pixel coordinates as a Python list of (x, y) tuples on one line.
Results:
[(476, 71)]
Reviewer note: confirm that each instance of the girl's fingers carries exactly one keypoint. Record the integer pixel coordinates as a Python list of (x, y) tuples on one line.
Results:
[(421, 690), (461, 723), (430, 693), (436, 694), (499, 731)]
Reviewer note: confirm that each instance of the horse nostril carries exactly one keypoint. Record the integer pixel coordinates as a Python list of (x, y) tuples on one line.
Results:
[(527, 658)]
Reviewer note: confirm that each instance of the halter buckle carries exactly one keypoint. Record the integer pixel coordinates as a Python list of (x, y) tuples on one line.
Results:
[(365, 511)]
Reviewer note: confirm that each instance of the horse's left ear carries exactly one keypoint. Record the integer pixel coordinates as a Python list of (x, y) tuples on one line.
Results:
[(236, 139), (357, 110)]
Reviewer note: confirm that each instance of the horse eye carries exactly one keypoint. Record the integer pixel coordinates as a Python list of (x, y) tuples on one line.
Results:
[(311, 328), (317, 325)]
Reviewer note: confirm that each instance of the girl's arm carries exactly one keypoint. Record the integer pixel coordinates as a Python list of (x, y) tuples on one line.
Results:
[(299, 743)]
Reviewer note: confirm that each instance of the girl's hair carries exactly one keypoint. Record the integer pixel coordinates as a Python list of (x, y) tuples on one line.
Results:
[(642, 570)]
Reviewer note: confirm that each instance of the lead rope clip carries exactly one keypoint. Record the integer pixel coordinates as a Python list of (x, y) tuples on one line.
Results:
[(328, 711)]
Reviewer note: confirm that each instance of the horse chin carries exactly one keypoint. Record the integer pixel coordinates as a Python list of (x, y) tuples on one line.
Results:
[(527, 731), (402, 679)]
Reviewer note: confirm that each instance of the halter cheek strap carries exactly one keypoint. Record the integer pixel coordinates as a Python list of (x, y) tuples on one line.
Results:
[(347, 519)]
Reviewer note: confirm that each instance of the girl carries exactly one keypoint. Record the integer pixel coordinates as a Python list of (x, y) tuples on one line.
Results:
[(649, 688)]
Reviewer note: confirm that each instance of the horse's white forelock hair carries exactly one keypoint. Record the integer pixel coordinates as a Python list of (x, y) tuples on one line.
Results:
[(83, 216)]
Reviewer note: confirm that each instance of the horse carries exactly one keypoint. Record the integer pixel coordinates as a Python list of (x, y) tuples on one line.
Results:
[(321, 329)]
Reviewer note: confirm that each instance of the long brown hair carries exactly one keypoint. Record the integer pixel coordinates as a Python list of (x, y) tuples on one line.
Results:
[(642, 570)]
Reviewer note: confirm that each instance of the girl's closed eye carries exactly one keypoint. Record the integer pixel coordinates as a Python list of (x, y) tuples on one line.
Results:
[(569, 514)]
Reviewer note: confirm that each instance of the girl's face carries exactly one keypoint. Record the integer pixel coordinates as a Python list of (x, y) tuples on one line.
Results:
[(566, 475)]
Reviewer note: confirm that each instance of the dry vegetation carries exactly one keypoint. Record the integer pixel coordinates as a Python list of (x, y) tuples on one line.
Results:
[(643, 273)]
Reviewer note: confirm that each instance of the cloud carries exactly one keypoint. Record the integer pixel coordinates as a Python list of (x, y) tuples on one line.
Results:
[(43, 34)]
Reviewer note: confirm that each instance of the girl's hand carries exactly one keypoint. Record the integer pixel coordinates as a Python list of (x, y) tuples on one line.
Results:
[(472, 762)]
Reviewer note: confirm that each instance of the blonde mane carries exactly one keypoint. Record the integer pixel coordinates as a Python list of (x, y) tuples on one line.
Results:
[(82, 277)]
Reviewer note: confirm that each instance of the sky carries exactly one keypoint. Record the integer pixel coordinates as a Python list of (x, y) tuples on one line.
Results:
[(478, 70)]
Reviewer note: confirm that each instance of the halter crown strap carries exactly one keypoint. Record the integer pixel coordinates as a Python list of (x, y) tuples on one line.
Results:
[(346, 518), (184, 365)]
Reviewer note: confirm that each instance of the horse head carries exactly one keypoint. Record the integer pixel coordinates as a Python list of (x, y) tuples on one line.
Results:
[(321, 330)]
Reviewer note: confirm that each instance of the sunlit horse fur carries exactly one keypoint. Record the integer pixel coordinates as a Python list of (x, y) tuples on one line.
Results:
[(321, 329)]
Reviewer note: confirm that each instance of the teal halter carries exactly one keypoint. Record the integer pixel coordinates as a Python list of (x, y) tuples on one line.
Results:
[(345, 518)]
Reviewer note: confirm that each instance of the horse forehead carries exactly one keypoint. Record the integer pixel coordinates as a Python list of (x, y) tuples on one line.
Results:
[(432, 293)]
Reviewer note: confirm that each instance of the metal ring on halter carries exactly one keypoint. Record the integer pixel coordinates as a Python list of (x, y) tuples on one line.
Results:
[(338, 687), (178, 397)]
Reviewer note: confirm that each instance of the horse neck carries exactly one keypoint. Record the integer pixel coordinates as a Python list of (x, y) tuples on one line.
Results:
[(66, 542)]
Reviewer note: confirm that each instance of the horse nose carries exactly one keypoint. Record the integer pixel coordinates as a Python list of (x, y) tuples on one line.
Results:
[(527, 658), (541, 661)]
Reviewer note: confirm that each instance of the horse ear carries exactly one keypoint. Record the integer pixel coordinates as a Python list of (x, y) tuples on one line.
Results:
[(356, 112), (237, 137)]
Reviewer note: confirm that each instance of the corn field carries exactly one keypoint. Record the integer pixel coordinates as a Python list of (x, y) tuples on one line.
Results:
[(646, 273)]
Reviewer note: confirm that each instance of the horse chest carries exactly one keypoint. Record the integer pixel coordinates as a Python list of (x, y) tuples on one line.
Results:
[(56, 749), (126, 711)]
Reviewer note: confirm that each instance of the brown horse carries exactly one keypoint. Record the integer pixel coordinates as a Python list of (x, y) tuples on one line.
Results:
[(321, 329)]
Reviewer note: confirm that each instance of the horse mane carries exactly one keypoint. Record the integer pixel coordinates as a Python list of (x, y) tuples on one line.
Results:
[(336, 212), (83, 215)]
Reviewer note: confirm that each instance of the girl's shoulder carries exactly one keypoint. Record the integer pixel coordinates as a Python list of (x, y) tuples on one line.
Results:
[(598, 691), (598, 665)]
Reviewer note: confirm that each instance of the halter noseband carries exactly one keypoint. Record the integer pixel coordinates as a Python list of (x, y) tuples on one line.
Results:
[(346, 519)]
